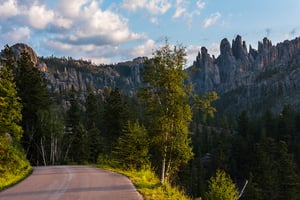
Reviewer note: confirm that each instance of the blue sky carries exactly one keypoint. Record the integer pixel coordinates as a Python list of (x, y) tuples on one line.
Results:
[(109, 31)]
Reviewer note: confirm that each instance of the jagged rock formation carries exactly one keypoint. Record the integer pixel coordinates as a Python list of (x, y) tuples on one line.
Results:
[(252, 80), (265, 78)]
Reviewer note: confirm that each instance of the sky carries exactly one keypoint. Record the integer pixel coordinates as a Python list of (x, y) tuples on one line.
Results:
[(111, 31)]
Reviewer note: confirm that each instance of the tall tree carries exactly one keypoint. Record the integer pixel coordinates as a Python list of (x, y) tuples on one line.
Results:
[(114, 119), (92, 121), (50, 131), (76, 137), (167, 108), (10, 106), (34, 97)]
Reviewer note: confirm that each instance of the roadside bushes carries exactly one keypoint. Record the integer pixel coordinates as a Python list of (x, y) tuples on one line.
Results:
[(13, 163)]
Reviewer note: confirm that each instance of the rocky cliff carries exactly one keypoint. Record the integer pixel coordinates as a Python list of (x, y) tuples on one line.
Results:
[(62, 74), (244, 78), (268, 77)]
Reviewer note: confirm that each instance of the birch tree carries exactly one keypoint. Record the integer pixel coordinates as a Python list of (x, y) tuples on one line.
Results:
[(166, 104)]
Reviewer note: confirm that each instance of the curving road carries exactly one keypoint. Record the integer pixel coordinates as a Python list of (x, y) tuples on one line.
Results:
[(72, 183)]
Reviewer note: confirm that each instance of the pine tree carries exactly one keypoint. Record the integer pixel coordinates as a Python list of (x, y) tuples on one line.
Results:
[(34, 95), (76, 137), (92, 120), (132, 147), (221, 187), (114, 118), (10, 106)]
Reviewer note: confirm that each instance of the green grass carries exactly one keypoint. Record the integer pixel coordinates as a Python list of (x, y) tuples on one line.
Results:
[(8, 179), (149, 185)]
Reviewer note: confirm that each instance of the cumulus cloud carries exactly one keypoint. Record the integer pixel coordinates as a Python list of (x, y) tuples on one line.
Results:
[(211, 20), (39, 17), (71, 9), (155, 7), (21, 34), (99, 27), (8, 9), (145, 49)]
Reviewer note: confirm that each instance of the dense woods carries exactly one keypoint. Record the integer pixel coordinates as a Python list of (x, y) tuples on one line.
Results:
[(165, 127)]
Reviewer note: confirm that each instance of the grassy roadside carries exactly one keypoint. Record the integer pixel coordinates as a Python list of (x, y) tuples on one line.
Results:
[(9, 178), (14, 166), (148, 184)]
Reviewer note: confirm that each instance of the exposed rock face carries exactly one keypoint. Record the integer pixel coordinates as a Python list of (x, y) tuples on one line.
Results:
[(65, 74), (267, 77), (20, 48), (62, 74)]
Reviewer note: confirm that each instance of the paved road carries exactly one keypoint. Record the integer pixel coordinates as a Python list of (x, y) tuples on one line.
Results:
[(72, 183)]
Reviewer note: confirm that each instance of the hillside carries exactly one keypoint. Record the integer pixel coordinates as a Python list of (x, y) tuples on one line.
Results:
[(244, 79)]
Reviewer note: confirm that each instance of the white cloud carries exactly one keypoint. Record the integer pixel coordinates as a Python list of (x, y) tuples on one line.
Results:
[(71, 9), (200, 4), (8, 9), (145, 49), (39, 17), (155, 7), (211, 20), (192, 52), (180, 8), (16, 35), (183, 11)]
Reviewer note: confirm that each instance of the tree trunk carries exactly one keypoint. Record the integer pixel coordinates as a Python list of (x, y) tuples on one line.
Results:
[(163, 168), (43, 152)]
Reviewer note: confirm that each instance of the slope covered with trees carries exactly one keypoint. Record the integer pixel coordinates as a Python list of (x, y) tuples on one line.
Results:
[(164, 126)]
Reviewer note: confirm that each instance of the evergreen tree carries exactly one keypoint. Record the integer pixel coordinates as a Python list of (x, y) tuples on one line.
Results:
[(92, 119), (76, 136), (114, 118), (10, 106), (167, 109), (9, 59), (34, 97), (221, 187), (289, 180), (132, 147)]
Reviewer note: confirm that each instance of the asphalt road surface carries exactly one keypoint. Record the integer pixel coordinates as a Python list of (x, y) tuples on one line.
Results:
[(72, 183)]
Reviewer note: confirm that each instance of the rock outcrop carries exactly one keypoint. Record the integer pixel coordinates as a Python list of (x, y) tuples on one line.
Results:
[(268, 76), (252, 80)]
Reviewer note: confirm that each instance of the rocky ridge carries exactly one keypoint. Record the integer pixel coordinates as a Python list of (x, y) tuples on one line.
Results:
[(251, 80), (244, 78)]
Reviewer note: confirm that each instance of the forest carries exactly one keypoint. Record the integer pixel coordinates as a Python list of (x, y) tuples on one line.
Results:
[(166, 127)]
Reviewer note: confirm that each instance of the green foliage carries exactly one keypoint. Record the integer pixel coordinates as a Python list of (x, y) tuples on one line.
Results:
[(114, 118), (13, 164), (132, 147), (50, 129), (167, 110), (34, 97), (149, 185), (10, 106), (221, 187), (204, 103), (95, 141)]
